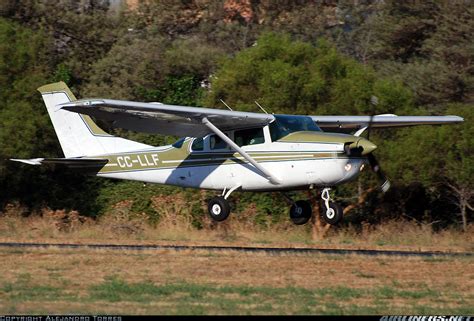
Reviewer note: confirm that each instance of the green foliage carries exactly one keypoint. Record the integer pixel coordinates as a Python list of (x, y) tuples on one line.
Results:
[(184, 90), (431, 154), (176, 90), (63, 73), (82, 32), (131, 63), (440, 158), (425, 44), (295, 77), (24, 127), (153, 69)]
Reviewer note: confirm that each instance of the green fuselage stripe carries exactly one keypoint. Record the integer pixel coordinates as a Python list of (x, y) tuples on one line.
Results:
[(169, 160)]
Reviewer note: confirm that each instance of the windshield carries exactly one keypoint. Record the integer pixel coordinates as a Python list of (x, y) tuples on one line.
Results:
[(179, 143), (286, 124)]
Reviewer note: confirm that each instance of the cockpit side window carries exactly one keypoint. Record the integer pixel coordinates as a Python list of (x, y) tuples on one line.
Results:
[(285, 124), (251, 136), (198, 144)]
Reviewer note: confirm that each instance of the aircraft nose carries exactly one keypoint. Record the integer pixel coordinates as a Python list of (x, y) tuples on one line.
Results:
[(366, 145)]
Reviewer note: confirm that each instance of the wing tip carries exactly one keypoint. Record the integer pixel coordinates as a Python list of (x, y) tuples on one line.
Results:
[(457, 119)]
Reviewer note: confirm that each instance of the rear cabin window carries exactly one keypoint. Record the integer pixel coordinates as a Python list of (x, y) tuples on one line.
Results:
[(217, 143), (198, 144), (252, 136)]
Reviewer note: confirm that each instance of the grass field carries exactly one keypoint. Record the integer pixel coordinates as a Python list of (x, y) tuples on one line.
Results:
[(200, 282), (54, 281)]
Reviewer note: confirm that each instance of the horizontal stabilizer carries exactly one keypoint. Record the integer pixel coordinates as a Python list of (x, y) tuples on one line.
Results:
[(69, 162), (32, 161)]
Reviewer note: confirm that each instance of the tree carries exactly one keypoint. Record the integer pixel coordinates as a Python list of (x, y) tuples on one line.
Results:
[(155, 70), (289, 76), (459, 161), (25, 128), (426, 45), (82, 31), (439, 157), (22, 70)]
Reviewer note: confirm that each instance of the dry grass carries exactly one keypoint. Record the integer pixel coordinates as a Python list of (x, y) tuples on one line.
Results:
[(120, 226), (201, 282)]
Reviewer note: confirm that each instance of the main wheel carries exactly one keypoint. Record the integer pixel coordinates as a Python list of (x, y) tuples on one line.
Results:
[(219, 208), (333, 215), (300, 212)]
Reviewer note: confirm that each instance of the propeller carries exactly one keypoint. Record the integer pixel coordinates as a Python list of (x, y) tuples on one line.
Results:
[(374, 101), (374, 164), (364, 147)]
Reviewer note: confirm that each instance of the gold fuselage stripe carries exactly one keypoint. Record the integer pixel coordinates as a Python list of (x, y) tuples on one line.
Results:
[(173, 158)]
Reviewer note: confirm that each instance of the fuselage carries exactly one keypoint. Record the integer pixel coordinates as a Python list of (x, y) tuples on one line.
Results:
[(299, 159)]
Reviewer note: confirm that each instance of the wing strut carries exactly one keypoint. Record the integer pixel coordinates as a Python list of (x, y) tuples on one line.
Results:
[(218, 132)]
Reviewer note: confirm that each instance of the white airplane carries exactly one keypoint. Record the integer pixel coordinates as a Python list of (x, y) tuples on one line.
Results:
[(223, 150)]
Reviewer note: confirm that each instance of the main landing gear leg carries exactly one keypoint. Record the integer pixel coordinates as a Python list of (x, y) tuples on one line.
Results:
[(331, 211), (219, 207), (300, 211)]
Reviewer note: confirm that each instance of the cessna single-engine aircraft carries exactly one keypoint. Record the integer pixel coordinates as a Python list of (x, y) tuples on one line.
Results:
[(223, 150)]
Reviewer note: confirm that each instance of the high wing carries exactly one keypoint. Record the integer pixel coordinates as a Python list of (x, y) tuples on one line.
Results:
[(189, 121), (381, 121), (165, 119)]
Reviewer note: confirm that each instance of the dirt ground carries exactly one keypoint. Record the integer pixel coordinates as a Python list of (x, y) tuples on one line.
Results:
[(202, 282)]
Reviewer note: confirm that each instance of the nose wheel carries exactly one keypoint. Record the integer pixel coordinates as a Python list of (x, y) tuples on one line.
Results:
[(331, 212), (301, 212)]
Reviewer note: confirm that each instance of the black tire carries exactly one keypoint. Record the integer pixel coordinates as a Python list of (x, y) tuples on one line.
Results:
[(335, 216), (300, 212), (218, 208)]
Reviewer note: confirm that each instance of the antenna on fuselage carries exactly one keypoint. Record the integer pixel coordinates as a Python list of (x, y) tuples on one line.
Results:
[(225, 104), (260, 107)]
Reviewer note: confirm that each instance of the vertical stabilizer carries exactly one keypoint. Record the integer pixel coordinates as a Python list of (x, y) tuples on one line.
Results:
[(78, 134)]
